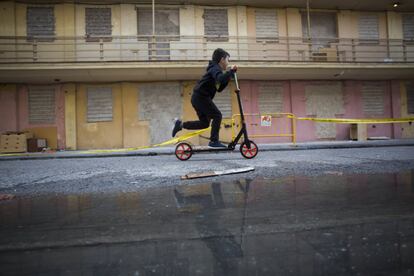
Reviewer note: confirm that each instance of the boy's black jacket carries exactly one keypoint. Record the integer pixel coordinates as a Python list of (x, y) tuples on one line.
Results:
[(213, 80)]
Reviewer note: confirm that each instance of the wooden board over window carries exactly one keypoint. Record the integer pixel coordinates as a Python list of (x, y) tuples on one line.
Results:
[(408, 27), (98, 23), (40, 23), (42, 105), (373, 99), (266, 25), (368, 28), (216, 24), (99, 104), (270, 98)]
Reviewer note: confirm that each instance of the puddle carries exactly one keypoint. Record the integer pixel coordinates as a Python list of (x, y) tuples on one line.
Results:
[(327, 225)]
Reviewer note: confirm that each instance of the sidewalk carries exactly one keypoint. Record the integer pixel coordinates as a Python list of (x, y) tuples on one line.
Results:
[(170, 150)]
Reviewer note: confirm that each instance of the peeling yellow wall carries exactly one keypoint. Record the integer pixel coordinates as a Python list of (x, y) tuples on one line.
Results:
[(347, 24), (7, 20), (408, 130), (70, 115), (99, 134), (136, 132), (395, 30), (294, 24)]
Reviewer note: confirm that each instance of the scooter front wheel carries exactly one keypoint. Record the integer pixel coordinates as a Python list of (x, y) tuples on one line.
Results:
[(251, 152), (183, 151)]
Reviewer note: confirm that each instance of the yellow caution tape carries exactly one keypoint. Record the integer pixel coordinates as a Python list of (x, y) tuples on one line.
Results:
[(169, 142), (356, 121)]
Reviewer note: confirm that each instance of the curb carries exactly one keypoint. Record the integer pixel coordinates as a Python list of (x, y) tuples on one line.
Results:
[(170, 151)]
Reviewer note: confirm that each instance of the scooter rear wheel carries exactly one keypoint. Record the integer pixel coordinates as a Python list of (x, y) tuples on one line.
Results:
[(183, 151), (249, 153)]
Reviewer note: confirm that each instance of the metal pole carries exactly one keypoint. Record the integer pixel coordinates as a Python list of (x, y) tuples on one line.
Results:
[(308, 16), (153, 45), (153, 17)]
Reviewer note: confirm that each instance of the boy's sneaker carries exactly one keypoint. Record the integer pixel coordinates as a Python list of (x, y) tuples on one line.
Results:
[(177, 127), (216, 144)]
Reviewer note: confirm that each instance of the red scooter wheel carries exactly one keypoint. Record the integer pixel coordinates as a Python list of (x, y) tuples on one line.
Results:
[(183, 151), (249, 153)]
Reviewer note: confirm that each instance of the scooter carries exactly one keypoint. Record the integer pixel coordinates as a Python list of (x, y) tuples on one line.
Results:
[(248, 149)]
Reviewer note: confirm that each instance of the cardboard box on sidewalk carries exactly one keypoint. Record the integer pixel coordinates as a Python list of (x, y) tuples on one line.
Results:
[(36, 144), (14, 142)]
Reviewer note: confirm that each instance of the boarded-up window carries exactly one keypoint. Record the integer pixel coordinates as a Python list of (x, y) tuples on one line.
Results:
[(266, 25), (167, 24), (223, 102), (216, 26), (158, 103), (368, 29), (270, 98), (408, 27), (410, 97), (42, 105), (373, 99), (98, 24), (40, 23), (99, 104), (323, 28)]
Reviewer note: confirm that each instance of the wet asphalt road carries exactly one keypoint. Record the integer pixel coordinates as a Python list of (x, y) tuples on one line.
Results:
[(314, 212), (129, 174)]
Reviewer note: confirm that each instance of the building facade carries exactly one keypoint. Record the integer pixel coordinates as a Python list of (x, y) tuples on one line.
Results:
[(115, 75)]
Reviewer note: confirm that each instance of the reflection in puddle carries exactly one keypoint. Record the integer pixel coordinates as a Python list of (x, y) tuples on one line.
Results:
[(332, 224)]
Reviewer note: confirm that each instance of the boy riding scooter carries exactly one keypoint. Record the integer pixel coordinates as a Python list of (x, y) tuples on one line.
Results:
[(214, 80)]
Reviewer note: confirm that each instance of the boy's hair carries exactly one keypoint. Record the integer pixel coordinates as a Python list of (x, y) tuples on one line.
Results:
[(219, 54)]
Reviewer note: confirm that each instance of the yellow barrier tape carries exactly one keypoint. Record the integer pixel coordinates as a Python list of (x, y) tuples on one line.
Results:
[(169, 142), (357, 121)]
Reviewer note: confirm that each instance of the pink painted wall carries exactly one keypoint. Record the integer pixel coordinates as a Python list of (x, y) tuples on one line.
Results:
[(396, 108), (8, 110), (305, 130), (250, 97), (295, 102), (23, 112)]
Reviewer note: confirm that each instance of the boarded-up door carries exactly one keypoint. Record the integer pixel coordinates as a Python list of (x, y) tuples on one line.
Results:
[(376, 103), (324, 100)]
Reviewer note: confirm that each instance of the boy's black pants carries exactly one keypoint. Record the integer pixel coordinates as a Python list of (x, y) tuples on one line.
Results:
[(206, 111)]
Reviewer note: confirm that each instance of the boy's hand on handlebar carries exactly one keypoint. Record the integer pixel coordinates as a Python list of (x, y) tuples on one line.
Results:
[(233, 68)]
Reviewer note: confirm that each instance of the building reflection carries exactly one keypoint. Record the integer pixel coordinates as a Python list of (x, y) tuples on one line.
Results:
[(330, 224)]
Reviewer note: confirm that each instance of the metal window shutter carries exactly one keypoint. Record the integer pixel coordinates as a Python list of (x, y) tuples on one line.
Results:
[(266, 23), (410, 97), (373, 98), (368, 27), (408, 26), (98, 21), (270, 98), (99, 104), (40, 21), (42, 105), (223, 102), (216, 24)]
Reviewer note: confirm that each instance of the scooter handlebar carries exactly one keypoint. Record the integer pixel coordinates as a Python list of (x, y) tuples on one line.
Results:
[(236, 82)]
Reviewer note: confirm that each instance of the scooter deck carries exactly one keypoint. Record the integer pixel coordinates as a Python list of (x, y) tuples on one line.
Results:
[(209, 149)]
